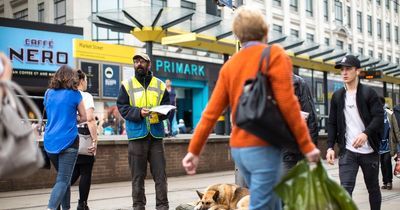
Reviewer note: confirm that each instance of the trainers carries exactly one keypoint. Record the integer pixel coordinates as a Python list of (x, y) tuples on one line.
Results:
[(384, 186)]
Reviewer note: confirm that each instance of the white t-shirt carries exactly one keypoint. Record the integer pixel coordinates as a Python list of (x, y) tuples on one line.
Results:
[(354, 125), (87, 100)]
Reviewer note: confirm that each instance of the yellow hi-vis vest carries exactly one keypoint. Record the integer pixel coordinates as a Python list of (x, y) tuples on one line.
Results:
[(139, 97)]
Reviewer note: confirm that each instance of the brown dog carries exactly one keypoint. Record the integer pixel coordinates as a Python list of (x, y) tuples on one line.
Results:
[(223, 197)]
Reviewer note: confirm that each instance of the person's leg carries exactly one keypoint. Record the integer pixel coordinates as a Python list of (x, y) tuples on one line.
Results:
[(84, 184), (386, 168), (65, 166), (348, 169), (370, 168), (242, 170), (263, 174), (137, 152), (157, 169)]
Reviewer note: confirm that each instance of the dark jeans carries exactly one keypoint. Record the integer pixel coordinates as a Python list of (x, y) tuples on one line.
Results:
[(83, 168), (140, 152), (386, 168), (349, 162)]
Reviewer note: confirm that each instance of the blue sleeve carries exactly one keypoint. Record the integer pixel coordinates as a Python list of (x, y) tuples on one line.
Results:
[(78, 97)]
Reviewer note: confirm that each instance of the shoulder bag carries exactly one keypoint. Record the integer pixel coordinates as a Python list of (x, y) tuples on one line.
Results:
[(19, 152), (257, 111)]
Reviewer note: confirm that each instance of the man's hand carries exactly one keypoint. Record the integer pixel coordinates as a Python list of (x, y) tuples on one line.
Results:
[(330, 156), (313, 156), (144, 112), (190, 163), (360, 140)]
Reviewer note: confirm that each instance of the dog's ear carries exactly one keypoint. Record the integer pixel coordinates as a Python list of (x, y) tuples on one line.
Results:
[(199, 194), (215, 196)]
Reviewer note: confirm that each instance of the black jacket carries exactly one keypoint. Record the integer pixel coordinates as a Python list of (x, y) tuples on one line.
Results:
[(133, 113), (304, 95), (371, 112), (305, 98)]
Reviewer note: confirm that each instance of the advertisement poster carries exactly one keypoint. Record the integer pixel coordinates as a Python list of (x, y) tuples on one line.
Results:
[(92, 73), (111, 80)]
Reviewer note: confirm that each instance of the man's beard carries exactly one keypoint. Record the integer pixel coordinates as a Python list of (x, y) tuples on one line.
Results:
[(141, 71)]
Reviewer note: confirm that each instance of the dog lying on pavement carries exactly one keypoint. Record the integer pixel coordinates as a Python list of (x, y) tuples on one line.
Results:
[(223, 197)]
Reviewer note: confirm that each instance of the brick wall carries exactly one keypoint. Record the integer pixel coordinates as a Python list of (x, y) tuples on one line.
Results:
[(112, 163)]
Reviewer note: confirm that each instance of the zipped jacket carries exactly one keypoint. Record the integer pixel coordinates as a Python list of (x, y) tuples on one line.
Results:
[(371, 113)]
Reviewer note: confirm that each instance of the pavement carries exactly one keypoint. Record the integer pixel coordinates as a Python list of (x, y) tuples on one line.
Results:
[(117, 195)]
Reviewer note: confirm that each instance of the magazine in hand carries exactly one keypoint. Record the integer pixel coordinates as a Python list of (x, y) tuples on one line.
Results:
[(162, 109)]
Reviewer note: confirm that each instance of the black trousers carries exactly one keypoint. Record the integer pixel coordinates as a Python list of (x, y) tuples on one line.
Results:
[(83, 168), (289, 160), (386, 168), (349, 163), (140, 152)]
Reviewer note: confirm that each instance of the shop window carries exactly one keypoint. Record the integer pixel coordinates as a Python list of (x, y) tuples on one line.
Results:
[(108, 119), (60, 12)]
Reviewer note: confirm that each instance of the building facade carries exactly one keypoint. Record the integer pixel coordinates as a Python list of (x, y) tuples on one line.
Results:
[(367, 28)]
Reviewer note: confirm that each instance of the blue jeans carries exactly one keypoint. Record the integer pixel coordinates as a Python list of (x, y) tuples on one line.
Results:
[(261, 168), (64, 164)]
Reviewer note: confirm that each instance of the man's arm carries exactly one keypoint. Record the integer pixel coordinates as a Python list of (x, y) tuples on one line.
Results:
[(376, 110), (125, 109), (332, 123)]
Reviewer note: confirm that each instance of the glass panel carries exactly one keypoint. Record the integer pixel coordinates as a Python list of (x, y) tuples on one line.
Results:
[(106, 5)]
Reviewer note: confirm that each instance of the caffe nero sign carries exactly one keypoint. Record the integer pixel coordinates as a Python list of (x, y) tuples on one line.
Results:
[(182, 69)]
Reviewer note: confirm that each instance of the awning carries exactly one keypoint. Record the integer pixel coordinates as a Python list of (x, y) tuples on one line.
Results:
[(182, 27)]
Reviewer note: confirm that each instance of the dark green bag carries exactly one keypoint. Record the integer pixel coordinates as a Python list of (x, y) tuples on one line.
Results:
[(312, 189)]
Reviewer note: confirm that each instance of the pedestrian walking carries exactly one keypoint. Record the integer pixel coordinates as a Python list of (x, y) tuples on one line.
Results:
[(62, 101), (355, 124), (259, 162), (172, 100), (145, 130), (303, 93), (84, 163)]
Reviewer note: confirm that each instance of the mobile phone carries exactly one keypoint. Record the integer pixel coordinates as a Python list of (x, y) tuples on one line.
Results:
[(1, 68)]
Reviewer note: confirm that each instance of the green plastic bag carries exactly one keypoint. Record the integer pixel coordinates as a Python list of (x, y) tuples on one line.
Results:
[(312, 189)]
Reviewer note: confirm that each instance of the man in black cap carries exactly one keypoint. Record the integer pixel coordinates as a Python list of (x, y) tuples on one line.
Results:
[(356, 125), (145, 130)]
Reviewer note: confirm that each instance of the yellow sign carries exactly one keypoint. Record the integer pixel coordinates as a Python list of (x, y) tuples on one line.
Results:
[(178, 38), (103, 52)]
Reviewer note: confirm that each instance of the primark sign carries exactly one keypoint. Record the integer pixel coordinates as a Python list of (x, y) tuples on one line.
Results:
[(181, 68)]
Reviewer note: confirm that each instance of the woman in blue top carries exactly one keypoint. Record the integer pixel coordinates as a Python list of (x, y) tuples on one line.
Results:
[(62, 101)]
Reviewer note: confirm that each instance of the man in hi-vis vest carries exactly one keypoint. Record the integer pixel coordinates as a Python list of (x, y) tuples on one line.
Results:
[(145, 130)]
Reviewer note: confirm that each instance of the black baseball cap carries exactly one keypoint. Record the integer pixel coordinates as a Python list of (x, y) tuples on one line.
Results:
[(349, 61)]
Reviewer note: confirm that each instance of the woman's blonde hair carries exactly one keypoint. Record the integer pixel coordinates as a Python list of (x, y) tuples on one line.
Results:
[(249, 24)]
